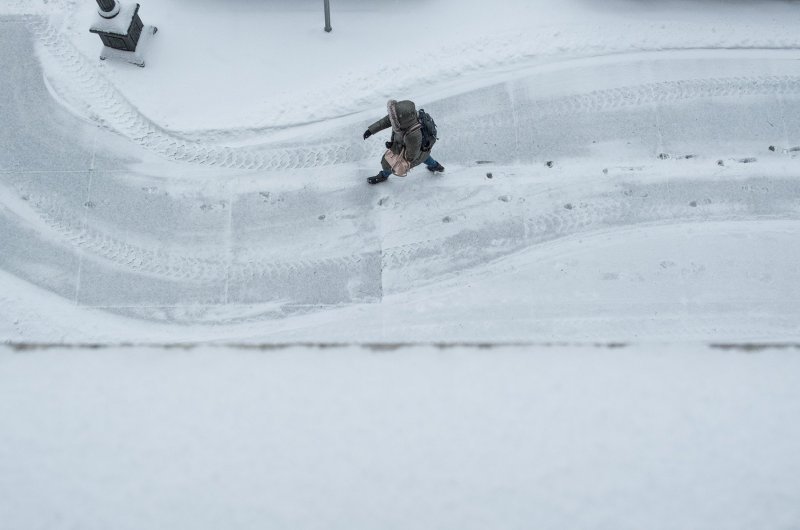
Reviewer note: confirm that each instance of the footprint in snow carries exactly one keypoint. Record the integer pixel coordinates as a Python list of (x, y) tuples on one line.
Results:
[(789, 150), (667, 156), (210, 207)]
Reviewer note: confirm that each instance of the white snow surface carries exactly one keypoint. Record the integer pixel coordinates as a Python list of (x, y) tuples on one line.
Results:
[(611, 174), (645, 437), (590, 320), (267, 65)]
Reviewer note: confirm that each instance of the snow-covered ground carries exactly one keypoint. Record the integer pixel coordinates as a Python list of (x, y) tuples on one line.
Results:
[(512, 438), (616, 197), (267, 65), (621, 192)]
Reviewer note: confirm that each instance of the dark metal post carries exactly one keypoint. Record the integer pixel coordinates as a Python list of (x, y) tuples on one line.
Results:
[(107, 5), (328, 27)]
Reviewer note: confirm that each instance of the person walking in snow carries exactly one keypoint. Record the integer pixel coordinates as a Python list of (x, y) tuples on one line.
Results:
[(413, 136)]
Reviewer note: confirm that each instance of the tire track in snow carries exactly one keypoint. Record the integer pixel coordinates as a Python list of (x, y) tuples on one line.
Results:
[(664, 203), (161, 263), (427, 261), (670, 92), (130, 257), (84, 85)]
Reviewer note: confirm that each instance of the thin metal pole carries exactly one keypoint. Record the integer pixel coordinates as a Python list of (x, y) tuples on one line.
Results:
[(328, 27)]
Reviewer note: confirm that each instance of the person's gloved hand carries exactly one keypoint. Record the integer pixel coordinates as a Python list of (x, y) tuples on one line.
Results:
[(389, 145), (367, 134)]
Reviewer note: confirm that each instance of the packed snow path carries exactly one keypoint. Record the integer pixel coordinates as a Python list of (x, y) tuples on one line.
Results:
[(650, 149)]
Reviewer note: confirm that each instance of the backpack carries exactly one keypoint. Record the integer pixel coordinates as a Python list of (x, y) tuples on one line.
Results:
[(428, 130)]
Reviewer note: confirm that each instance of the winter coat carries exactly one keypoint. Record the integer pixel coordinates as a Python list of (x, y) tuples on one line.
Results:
[(402, 117)]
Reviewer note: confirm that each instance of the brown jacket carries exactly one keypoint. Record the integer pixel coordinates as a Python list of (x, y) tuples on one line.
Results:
[(402, 117)]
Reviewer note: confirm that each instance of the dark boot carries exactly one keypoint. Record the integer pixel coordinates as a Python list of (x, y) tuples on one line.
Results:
[(438, 168), (380, 177)]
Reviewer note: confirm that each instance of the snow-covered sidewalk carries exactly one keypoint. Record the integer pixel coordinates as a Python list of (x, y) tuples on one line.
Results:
[(662, 191)]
